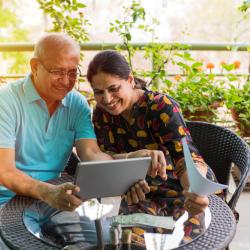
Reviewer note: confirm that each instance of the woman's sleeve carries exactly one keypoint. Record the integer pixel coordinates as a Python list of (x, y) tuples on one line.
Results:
[(103, 131), (171, 130)]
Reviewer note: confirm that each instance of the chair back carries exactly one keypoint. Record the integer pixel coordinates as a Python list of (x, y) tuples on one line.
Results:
[(220, 147), (71, 165)]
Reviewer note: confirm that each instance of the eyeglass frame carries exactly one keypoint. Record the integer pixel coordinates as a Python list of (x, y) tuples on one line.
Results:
[(62, 73)]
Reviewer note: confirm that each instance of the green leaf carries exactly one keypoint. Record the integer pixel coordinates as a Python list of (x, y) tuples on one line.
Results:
[(168, 83), (111, 29), (128, 36), (197, 65), (81, 5)]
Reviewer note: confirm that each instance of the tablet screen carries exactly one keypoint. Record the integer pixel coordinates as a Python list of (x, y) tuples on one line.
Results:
[(98, 179)]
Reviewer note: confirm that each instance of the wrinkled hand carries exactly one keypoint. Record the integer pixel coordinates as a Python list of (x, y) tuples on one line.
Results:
[(194, 203), (62, 196), (158, 164), (137, 192)]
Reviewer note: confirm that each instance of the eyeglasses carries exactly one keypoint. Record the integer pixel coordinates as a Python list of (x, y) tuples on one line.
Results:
[(58, 74)]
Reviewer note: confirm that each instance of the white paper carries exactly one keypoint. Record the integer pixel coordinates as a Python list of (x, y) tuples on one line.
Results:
[(156, 241), (93, 209), (115, 201), (198, 184)]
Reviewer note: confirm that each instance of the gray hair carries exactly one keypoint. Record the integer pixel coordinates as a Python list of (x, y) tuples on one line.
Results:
[(57, 40)]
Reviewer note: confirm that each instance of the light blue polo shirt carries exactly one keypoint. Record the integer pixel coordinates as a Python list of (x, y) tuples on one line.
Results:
[(42, 143)]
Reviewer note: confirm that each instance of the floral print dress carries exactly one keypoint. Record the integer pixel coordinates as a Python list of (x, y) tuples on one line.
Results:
[(157, 124)]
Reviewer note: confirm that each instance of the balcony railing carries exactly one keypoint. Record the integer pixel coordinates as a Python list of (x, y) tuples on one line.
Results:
[(29, 47), (100, 46)]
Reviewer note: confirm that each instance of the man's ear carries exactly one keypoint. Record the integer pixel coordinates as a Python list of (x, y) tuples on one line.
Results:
[(33, 65)]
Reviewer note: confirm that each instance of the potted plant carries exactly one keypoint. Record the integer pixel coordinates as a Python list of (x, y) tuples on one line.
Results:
[(199, 93), (238, 101)]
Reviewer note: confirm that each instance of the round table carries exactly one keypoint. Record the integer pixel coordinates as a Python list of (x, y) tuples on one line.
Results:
[(218, 235)]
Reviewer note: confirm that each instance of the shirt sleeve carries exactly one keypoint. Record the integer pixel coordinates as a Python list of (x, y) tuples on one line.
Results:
[(7, 124), (103, 130), (171, 128)]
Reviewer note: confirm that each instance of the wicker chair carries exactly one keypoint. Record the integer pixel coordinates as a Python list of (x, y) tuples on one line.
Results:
[(70, 167), (220, 147)]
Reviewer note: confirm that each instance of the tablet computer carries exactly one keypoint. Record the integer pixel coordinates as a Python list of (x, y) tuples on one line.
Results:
[(98, 179)]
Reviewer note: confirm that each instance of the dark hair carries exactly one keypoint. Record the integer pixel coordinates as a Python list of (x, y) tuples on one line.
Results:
[(113, 63)]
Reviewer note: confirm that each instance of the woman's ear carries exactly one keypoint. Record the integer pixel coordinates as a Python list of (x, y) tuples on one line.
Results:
[(131, 80)]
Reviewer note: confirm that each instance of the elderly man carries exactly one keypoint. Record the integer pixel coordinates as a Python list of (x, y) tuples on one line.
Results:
[(41, 118)]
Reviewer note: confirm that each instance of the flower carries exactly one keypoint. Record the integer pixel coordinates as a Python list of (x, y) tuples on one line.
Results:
[(222, 63), (177, 78), (200, 69), (210, 66), (236, 64)]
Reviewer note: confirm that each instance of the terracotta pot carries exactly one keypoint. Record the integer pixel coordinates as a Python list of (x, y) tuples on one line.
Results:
[(204, 116), (245, 131), (216, 104)]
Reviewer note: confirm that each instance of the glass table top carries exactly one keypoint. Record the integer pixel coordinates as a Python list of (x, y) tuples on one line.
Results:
[(62, 228)]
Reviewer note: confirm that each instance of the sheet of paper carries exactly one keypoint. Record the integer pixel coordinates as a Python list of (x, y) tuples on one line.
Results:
[(156, 241), (115, 201), (198, 184), (93, 209)]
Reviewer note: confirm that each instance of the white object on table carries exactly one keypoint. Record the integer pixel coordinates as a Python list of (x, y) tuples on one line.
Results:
[(198, 183), (155, 241)]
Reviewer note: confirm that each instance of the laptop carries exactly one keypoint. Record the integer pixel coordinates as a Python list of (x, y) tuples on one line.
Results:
[(98, 179)]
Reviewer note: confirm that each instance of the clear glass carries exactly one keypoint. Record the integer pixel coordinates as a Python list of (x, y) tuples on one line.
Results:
[(61, 228)]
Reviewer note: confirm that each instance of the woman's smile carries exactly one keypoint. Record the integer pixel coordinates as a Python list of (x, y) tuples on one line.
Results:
[(113, 105)]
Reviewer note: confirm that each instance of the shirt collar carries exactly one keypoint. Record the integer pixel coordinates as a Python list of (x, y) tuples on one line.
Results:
[(32, 95), (30, 91), (65, 101)]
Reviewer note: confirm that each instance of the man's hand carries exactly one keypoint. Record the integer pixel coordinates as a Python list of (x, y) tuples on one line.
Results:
[(195, 204), (62, 196), (158, 165), (137, 192)]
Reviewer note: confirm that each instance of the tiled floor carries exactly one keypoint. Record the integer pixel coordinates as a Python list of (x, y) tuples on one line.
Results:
[(241, 240)]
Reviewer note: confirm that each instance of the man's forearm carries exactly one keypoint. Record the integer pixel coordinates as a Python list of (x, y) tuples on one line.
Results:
[(95, 156), (22, 184)]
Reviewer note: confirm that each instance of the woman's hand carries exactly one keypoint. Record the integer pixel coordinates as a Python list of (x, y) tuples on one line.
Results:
[(158, 164), (195, 204), (137, 192)]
